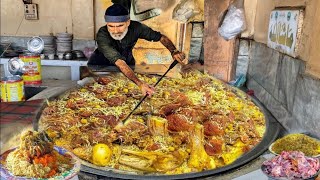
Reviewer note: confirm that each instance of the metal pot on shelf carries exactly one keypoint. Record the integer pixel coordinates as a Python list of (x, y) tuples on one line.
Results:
[(77, 54), (68, 55)]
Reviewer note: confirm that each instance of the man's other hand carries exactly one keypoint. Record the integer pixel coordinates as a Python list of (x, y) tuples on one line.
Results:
[(147, 89), (180, 57)]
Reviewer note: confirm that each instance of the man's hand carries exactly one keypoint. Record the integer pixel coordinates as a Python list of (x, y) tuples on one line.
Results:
[(176, 55), (147, 89), (127, 71), (179, 56)]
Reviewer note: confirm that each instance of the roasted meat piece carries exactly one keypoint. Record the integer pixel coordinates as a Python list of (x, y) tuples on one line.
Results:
[(213, 128), (213, 146), (116, 101), (131, 131), (177, 122)]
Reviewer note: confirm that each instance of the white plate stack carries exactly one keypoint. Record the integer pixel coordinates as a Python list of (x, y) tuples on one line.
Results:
[(64, 43), (49, 45)]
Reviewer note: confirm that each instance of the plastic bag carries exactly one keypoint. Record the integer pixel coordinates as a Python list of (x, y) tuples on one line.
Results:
[(233, 23)]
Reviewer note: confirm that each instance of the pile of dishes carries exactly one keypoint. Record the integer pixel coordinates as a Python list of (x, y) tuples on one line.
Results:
[(49, 45), (64, 43)]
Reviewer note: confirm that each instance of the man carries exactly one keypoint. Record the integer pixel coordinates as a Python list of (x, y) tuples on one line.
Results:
[(117, 39)]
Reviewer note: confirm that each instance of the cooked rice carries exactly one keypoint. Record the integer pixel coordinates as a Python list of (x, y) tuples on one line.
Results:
[(19, 165)]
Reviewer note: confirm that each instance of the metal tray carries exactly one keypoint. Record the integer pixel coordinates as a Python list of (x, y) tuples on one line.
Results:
[(272, 131)]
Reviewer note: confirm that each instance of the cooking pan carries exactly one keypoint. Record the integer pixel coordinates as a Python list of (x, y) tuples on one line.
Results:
[(271, 133)]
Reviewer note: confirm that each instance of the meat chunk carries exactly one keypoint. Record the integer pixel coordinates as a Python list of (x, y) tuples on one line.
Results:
[(177, 122), (179, 98), (169, 109), (153, 147), (195, 114), (74, 104), (221, 120), (116, 101), (108, 120), (213, 147), (212, 128), (103, 80), (131, 132), (85, 113), (97, 136)]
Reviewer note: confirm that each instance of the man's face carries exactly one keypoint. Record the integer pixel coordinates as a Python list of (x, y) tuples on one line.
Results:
[(118, 30)]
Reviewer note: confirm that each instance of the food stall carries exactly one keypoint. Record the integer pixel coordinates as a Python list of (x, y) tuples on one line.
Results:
[(216, 116)]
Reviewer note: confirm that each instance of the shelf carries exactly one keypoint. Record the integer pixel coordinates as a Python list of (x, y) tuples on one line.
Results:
[(74, 64)]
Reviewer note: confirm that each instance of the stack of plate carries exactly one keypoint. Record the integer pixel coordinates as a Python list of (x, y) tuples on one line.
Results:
[(64, 43), (49, 45)]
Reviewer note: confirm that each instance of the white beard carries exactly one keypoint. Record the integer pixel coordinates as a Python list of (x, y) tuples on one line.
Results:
[(119, 36)]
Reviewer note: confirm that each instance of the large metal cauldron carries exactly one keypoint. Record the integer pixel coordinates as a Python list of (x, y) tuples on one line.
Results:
[(272, 131)]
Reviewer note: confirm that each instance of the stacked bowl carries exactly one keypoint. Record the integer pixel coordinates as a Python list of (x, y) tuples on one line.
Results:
[(64, 43), (49, 45)]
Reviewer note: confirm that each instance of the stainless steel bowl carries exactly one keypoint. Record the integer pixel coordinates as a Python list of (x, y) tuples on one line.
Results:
[(68, 55)]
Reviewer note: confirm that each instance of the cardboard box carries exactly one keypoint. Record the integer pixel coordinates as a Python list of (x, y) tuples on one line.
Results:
[(155, 61)]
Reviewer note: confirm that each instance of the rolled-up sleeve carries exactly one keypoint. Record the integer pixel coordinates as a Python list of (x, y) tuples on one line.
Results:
[(149, 34), (106, 47)]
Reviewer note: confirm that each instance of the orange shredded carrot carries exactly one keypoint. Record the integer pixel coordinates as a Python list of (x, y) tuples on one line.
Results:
[(48, 160), (52, 173)]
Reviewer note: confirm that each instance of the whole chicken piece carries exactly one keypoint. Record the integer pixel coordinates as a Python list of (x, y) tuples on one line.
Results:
[(152, 161), (199, 159)]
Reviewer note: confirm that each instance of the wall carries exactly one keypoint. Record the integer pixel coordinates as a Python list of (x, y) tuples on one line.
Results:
[(83, 18), (100, 7), (279, 83), (282, 83), (250, 7), (308, 48), (73, 16), (167, 26), (313, 65)]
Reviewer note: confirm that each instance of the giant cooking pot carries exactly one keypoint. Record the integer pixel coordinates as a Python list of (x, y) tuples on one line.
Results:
[(271, 133)]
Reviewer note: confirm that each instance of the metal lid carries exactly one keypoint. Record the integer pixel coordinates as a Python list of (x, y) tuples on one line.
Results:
[(16, 66), (14, 78), (35, 45)]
